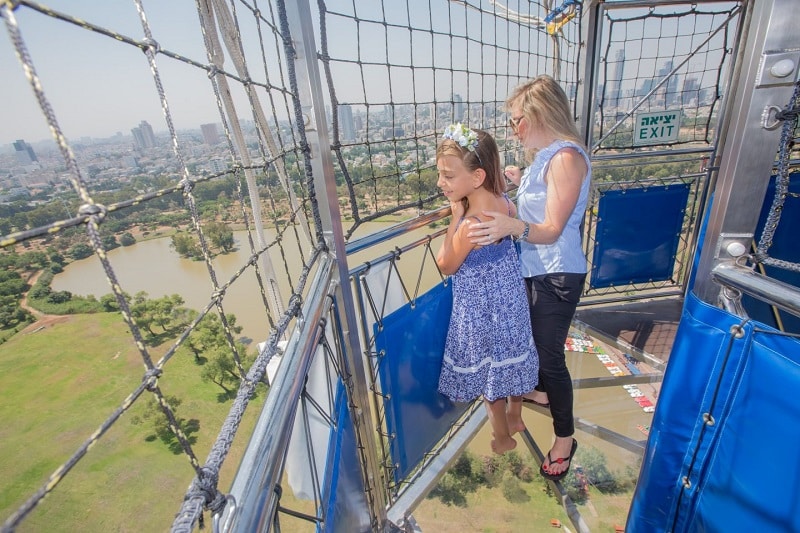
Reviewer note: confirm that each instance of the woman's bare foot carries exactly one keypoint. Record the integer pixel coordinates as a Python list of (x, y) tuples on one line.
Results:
[(503, 445)]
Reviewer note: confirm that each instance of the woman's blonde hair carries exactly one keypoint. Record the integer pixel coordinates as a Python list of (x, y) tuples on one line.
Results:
[(544, 104)]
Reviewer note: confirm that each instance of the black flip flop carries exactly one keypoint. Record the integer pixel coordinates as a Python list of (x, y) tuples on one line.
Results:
[(540, 404), (562, 475)]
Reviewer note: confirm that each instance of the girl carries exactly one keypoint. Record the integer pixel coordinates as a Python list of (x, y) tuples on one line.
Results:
[(489, 349)]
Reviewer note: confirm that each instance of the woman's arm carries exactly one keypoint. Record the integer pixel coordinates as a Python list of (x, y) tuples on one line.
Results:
[(564, 178)]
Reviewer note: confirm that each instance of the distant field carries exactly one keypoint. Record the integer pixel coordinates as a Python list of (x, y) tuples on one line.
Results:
[(56, 387)]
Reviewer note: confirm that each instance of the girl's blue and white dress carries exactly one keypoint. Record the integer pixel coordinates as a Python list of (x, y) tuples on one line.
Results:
[(489, 349)]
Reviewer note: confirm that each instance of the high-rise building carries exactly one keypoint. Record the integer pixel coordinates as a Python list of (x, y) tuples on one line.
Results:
[(143, 135), (616, 82), (210, 136), (346, 124), (25, 153), (458, 108), (691, 91), (669, 90)]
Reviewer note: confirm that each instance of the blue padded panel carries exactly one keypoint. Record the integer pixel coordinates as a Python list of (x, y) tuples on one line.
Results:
[(343, 487), (412, 344), (743, 467), (784, 246), (637, 235)]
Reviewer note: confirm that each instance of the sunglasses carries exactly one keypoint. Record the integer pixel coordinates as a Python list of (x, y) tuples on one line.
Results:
[(514, 123)]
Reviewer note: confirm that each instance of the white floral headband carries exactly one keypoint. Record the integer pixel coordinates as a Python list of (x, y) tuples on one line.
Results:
[(464, 137)]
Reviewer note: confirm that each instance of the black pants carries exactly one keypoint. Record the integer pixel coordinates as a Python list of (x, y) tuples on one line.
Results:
[(553, 299)]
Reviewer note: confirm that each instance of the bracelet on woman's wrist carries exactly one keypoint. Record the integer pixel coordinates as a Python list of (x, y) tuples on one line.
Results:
[(524, 235)]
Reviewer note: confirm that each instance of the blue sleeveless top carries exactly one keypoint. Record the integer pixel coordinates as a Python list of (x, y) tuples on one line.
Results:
[(566, 254)]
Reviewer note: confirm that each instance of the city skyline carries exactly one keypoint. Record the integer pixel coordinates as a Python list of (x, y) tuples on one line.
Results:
[(98, 86)]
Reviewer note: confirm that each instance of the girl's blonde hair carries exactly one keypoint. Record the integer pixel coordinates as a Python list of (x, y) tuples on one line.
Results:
[(545, 105), (486, 156)]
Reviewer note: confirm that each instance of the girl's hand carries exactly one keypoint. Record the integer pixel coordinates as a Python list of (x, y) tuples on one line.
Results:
[(457, 208), (513, 173), (497, 226)]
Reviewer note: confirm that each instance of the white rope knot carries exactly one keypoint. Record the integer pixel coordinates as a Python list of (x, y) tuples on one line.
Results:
[(217, 295), (96, 211), (188, 185), (213, 70), (152, 45), (151, 378)]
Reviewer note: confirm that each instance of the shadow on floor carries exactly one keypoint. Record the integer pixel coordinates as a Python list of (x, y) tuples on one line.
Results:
[(647, 325)]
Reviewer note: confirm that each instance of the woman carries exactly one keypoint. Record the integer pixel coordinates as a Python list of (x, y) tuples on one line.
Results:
[(551, 201)]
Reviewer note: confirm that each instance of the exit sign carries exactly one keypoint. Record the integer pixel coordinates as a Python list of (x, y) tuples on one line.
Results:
[(656, 128)]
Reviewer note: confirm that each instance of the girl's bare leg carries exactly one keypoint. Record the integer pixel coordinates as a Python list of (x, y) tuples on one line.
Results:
[(514, 415), (502, 441)]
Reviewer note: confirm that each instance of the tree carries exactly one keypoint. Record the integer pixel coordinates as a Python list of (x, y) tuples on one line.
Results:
[(185, 245), (59, 297), (126, 239), (11, 314), (221, 236), (221, 367), (13, 286), (35, 260), (110, 242), (209, 334), (80, 251), (154, 415), (166, 312)]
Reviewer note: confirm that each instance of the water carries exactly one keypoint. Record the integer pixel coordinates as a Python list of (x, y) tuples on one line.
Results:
[(154, 267)]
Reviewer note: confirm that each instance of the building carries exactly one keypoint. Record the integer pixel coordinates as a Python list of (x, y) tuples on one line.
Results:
[(210, 135), (615, 92), (143, 136), (218, 165), (691, 91), (25, 153), (668, 92), (347, 128), (458, 108)]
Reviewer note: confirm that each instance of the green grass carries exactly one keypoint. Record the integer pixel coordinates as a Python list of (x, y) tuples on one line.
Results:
[(57, 386)]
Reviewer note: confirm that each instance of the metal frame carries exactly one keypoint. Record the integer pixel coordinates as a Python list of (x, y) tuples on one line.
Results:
[(768, 290), (252, 501), (748, 151), (313, 104), (585, 95)]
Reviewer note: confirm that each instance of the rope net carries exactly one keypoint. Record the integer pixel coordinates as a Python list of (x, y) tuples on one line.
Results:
[(398, 74), (395, 74), (658, 59), (263, 181)]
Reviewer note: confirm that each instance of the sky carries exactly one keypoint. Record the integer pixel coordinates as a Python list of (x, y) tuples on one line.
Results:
[(98, 86)]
